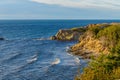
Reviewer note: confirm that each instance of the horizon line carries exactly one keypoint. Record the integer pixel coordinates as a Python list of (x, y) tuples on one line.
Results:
[(60, 19)]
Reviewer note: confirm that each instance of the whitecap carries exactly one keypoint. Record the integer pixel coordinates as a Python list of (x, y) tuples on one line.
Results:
[(42, 39), (67, 48), (57, 61), (77, 60), (32, 60)]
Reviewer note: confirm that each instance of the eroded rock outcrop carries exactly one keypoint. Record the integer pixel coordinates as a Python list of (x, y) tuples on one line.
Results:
[(68, 34), (88, 46)]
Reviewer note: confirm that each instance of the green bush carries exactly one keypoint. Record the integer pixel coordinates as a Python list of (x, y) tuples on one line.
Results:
[(99, 74), (81, 29), (102, 68), (111, 35)]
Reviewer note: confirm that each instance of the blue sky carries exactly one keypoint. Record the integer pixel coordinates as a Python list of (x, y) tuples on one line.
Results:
[(59, 9)]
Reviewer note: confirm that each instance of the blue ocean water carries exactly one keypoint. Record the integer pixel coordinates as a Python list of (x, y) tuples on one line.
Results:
[(27, 54)]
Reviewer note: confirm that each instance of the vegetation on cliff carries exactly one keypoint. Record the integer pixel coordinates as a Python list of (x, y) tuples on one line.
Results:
[(98, 38), (107, 65)]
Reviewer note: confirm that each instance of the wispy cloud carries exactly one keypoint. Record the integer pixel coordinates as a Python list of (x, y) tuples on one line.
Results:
[(108, 4)]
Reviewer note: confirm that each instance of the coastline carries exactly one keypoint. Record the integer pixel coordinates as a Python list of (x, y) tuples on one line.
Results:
[(36, 48), (88, 45), (101, 44)]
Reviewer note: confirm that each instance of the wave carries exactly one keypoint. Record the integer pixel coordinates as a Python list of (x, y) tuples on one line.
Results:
[(42, 39), (68, 49), (33, 59), (10, 57), (57, 61), (77, 60)]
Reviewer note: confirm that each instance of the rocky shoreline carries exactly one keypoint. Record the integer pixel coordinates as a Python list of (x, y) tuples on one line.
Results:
[(88, 44)]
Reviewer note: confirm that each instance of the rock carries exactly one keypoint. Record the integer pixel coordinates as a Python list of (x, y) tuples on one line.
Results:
[(2, 38), (68, 34), (53, 38)]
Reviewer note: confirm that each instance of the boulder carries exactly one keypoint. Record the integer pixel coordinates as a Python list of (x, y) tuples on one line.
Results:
[(53, 38)]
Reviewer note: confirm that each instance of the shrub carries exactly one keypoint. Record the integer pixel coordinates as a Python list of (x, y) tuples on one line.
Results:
[(106, 66), (81, 29), (99, 74)]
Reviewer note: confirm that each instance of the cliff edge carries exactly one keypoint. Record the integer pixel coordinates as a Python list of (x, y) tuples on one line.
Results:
[(98, 39)]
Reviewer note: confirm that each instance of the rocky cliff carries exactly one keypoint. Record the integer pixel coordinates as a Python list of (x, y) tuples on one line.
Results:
[(68, 34), (98, 39)]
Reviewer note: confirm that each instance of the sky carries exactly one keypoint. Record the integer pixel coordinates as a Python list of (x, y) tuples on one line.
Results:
[(59, 9)]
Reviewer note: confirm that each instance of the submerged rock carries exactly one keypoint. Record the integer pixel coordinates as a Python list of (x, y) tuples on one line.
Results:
[(2, 38), (53, 38)]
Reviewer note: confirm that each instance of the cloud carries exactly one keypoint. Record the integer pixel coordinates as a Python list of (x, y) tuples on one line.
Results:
[(102, 4)]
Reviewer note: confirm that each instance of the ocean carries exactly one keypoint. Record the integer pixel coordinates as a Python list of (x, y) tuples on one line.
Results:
[(28, 54)]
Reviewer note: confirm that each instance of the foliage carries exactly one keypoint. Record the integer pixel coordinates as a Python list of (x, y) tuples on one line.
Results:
[(106, 66), (102, 68), (95, 28), (81, 29), (111, 35), (99, 74)]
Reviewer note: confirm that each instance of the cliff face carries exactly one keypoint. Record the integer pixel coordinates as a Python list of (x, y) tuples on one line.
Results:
[(98, 39), (89, 46), (68, 34)]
